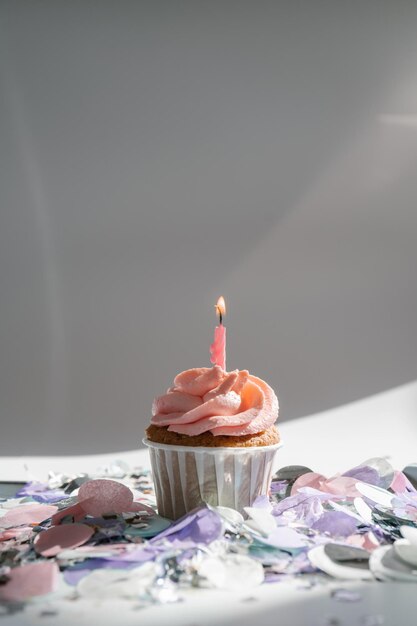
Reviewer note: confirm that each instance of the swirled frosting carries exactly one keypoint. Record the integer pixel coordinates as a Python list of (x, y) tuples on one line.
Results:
[(211, 399)]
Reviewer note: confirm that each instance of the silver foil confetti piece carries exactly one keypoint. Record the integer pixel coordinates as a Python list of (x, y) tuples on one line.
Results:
[(406, 551), (289, 474), (384, 469), (385, 565), (347, 554), (164, 591), (351, 570), (234, 572), (409, 533), (233, 519), (107, 584), (411, 472), (115, 469)]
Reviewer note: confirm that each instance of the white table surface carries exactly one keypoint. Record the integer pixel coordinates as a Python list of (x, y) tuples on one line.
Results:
[(333, 441)]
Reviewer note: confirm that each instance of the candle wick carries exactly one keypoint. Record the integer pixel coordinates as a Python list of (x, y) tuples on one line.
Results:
[(219, 313)]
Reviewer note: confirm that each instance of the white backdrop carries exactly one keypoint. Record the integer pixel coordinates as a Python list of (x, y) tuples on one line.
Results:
[(155, 155)]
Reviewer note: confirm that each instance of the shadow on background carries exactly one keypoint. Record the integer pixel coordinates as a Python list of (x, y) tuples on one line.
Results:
[(157, 156)]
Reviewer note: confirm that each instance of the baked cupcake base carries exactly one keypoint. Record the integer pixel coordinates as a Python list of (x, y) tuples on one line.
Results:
[(161, 434), (185, 477)]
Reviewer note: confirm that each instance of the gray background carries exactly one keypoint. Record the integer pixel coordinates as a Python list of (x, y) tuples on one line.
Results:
[(155, 155)]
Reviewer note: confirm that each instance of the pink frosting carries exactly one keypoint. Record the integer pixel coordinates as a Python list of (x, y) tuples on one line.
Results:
[(211, 399)]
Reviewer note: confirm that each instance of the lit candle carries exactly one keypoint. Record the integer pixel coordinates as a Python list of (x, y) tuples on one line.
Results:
[(218, 347)]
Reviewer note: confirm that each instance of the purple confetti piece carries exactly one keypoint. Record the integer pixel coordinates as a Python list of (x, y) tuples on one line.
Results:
[(405, 501), (74, 574), (384, 472), (142, 554), (300, 564), (284, 538), (365, 474), (336, 523), (40, 492), (302, 507), (202, 525), (278, 485), (128, 560), (262, 502)]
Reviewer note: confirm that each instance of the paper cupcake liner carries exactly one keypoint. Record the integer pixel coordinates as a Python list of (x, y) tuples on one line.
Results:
[(185, 477)]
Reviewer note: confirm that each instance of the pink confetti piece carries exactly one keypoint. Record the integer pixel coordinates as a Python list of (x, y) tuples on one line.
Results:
[(34, 579), (310, 479), (336, 485), (140, 506), (102, 496), (16, 533), (400, 482), (57, 538), (27, 514), (367, 541), (76, 511), (342, 486)]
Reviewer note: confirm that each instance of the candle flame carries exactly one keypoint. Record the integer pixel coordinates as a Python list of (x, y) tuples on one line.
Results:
[(220, 308)]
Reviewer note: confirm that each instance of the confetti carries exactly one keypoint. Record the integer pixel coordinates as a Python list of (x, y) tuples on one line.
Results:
[(52, 541), (33, 579), (98, 497), (103, 539), (235, 572), (40, 492), (27, 514)]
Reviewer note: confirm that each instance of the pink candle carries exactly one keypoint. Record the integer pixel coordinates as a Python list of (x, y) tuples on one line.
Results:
[(218, 347)]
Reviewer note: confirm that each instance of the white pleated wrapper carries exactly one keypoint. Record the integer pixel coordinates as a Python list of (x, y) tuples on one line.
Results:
[(185, 477)]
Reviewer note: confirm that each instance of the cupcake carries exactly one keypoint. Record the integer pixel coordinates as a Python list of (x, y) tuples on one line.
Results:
[(212, 438)]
